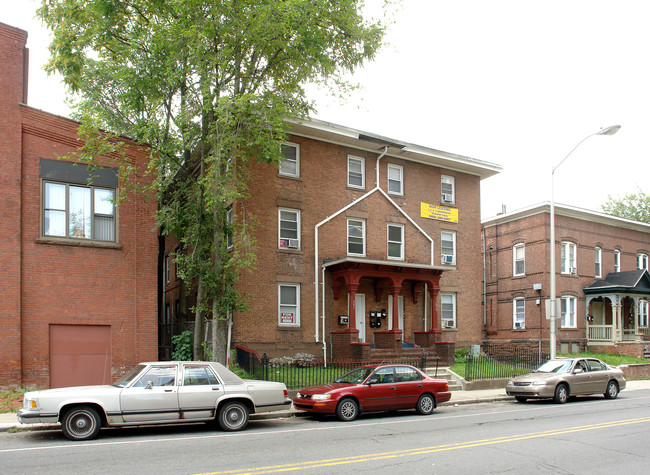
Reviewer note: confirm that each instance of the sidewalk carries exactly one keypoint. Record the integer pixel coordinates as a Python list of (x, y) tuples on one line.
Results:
[(9, 421)]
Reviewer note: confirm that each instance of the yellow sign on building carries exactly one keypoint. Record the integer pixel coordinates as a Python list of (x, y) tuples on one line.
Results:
[(441, 213)]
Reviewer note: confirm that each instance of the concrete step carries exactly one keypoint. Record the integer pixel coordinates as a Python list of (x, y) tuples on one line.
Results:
[(443, 372)]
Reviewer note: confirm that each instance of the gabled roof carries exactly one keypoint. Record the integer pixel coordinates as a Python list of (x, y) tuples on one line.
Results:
[(631, 282)]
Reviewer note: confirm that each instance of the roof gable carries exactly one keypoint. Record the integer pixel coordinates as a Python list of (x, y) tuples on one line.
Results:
[(633, 281)]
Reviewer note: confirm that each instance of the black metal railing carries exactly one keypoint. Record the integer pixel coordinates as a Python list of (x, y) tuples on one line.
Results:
[(305, 370), (502, 361)]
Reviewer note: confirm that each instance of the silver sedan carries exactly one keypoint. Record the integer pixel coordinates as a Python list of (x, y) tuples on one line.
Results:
[(564, 377), (156, 393)]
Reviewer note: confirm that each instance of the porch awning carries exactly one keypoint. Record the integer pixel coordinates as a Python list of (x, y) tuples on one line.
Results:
[(630, 282), (375, 268)]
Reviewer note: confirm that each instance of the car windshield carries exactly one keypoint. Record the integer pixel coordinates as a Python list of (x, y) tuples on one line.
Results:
[(128, 377), (356, 376), (554, 366)]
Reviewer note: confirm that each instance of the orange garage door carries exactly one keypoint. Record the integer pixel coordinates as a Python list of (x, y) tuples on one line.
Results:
[(80, 355)]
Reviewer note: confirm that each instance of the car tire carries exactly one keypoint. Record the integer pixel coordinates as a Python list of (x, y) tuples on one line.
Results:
[(347, 410), (612, 390), (81, 423), (426, 404), (521, 398), (233, 416), (561, 394)]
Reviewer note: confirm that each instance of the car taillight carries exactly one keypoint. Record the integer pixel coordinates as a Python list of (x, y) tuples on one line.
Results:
[(286, 393)]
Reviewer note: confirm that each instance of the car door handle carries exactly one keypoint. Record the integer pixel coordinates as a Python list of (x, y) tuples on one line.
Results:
[(168, 390), (393, 388), (420, 386), (215, 388)]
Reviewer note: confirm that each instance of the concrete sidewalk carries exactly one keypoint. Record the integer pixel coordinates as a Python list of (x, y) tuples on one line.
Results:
[(9, 420)]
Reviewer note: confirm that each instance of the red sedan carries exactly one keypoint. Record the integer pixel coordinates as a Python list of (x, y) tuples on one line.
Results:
[(375, 388)]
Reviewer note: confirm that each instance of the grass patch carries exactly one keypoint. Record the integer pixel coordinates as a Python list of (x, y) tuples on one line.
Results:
[(11, 400), (613, 360)]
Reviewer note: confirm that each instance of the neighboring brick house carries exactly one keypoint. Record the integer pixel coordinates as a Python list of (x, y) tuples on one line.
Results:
[(602, 279), (337, 250), (79, 293)]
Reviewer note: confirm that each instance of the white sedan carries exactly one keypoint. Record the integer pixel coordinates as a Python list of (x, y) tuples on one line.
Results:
[(156, 393)]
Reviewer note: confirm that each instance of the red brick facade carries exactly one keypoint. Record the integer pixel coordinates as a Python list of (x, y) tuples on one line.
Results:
[(319, 192), (587, 230), (52, 282)]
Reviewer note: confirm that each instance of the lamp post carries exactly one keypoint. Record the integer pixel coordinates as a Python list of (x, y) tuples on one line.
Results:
[(607, 131)]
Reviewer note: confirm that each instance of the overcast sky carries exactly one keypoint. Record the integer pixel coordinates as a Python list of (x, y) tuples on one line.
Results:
[(515, 82)]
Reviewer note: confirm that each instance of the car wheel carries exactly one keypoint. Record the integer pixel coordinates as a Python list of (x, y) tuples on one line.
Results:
[(521, 398), (426, 404), (612, 390), (347, 410), (81, 423), (233, 416), (561, 394)]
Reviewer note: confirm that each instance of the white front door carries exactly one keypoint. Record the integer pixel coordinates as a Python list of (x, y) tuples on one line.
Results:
[(400, 314), (360, 312)]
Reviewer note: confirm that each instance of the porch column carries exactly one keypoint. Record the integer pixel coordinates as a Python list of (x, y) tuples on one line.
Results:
[(395, 290), (352, 307), (616, 320), (434, 290)]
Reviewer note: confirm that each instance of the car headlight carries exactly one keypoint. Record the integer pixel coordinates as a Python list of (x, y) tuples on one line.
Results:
[(30, 404), (538, 383), (509, 383), (319, 397)]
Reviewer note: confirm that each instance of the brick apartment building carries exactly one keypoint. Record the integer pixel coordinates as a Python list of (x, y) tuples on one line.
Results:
[(79, 294), (364, 244), (602, 279)]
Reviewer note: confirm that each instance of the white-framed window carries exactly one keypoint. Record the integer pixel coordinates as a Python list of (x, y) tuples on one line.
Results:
[(568, 312), (642, 261), (598, 258), (448, 247), (568, 258), (617, 260), (356, 172), (395, 241), (448, 310), (395, 179), (289, 305), (290, 165), (229, 229), (643, 313), (518, 260), (78, 212), (167, 266), (288, 228), (519, 313), (447, 189), (356, 237)]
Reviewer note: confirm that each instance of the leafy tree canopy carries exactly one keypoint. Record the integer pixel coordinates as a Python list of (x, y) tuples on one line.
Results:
[(634, 206)]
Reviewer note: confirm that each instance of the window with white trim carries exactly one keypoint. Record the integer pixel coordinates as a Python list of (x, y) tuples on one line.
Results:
[(642, 261), (617, 260), (395, 179), (395, 241), (229, 227), (568, 258), (289, 305), (519, 313), (288, 228), (598, 256), (356, 237), (447, 189), (448, 310), (448, 247), (518, 260), (166, 265), (290, 165), (356, 172), (643, 313), (568, 312)]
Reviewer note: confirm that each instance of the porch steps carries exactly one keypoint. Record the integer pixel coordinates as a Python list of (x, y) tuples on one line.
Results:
[(444, 373)]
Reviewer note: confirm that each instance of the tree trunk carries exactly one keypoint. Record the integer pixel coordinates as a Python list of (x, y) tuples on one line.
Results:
[(198, 324)]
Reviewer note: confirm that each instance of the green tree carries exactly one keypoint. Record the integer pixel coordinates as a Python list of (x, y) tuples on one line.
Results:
[(634, 206), (208, 85)]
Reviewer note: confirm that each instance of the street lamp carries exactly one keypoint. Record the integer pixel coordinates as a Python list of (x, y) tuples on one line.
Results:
[(607, 131)]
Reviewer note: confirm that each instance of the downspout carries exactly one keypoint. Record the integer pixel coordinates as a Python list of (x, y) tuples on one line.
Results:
[(316, 257), (484, 281)]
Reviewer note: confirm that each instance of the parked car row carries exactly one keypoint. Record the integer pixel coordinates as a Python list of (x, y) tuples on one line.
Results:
[(181, 392)]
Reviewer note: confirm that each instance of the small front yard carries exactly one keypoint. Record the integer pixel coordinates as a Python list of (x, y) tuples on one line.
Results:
[(11, 400)]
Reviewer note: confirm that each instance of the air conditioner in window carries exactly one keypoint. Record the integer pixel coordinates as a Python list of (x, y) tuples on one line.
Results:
[(519, 325), (449, 324), (447, 197), (573, 270), (293, 243), (447, 259)]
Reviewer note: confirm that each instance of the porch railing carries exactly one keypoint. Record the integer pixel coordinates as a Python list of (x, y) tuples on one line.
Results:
[(600, 332)]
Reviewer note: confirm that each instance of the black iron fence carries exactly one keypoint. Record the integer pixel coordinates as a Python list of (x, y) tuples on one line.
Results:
[(502, 361), (305, 370)]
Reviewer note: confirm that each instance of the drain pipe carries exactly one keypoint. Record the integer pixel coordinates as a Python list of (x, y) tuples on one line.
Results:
[(316, 258)]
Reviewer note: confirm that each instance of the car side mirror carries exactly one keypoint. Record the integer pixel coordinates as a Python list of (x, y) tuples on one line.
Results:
[(149, 385), (577, 370), (373, 381)]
